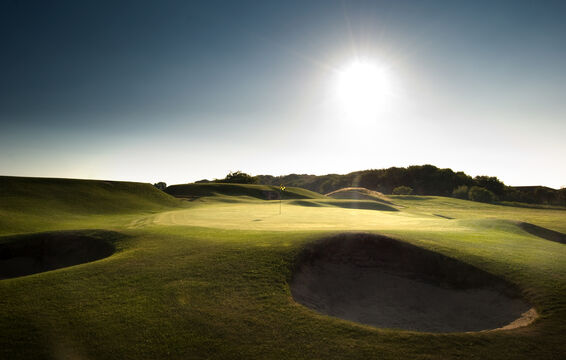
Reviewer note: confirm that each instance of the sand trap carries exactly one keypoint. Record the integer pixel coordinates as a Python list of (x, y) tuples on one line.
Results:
[(29, 254), (386, 283)]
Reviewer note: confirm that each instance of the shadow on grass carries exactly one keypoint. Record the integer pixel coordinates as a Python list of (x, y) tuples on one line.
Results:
[(543, 233), (306, 203), (362, 205), (411, 197), (346, 204), (444, 216)]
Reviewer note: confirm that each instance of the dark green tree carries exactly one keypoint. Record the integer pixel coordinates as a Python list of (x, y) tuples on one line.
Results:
[(480, 194), (491, 183), (160, 185), (461, 192), (238, 177), (403, 190)]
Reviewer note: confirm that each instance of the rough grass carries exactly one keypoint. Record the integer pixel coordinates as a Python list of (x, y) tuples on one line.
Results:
[(211, 281)]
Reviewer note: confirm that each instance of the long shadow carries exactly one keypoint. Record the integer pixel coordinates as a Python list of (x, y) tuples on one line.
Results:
[(544, 233), (306, 203), (413, 197), (352, 204), (363, 205)]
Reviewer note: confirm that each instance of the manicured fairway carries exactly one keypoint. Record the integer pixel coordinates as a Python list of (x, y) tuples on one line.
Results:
[(208, 278)]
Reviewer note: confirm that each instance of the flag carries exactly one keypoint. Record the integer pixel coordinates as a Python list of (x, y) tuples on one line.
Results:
[(281, 187)]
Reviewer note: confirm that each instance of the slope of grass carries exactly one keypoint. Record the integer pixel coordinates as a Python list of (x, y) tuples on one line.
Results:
[(347, 204), (25, 202), (359, 193), (263, 192), (211, 281)]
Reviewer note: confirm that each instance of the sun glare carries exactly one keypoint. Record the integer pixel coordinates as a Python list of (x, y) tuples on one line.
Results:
[(364, 88)]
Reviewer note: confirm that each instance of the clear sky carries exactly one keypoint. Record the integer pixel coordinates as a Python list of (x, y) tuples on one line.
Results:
[(178, 91)]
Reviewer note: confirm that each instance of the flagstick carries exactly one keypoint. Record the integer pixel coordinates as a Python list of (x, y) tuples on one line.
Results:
[(280, 199)]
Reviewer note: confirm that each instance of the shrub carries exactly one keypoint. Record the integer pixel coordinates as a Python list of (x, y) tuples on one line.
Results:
[(238, 177), (480, 194), (461, 192), (160, 185), (402, 190)]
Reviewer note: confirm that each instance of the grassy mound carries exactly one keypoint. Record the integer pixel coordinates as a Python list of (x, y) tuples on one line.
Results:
[(46, 195), (346, 204), (263, 192), (359, 193), (39, 204)]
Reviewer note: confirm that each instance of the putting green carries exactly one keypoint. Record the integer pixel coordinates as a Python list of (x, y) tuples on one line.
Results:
[(265, 216)]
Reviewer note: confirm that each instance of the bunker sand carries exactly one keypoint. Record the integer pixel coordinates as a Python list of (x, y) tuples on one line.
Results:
[(34, 253), (386, 283)]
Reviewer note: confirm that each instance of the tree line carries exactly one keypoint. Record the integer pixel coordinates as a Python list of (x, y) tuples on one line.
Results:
[(416, 179), (423, 180)]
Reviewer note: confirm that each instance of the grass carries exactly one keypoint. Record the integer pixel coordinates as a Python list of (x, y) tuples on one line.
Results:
[(208, 278), (359, 193), (35, 204), (221, 190)]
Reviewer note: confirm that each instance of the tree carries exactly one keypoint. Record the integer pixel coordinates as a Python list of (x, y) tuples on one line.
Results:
[(402, 190), (160, 185), (461, 192), (491, 183), (238, 177), (480, 194), (545, 195), (562, 196)]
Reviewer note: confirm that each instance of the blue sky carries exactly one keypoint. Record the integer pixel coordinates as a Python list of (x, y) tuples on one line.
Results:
[(177, 91)]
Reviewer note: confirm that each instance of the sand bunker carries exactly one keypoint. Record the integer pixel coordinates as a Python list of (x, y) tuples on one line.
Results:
[(29, 254), (387, 283)]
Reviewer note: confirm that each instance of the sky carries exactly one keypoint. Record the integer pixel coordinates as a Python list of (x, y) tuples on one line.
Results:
[(178, 91)]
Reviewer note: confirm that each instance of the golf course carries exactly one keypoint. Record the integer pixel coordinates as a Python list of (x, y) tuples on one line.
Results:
[(121, 270)]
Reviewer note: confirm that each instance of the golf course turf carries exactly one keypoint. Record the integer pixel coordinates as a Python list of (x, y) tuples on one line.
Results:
[(211, 274)]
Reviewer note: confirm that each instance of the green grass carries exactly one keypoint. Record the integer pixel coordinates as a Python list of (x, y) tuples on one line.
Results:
[(208, 279), (34, 204), (360, 194), (220, 190)]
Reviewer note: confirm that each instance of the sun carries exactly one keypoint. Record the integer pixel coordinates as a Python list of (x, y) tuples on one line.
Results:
[(364, 88)]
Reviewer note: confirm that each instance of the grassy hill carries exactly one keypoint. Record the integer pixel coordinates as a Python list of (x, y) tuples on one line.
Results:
[(263, 192), (25, 199), (359, 193)]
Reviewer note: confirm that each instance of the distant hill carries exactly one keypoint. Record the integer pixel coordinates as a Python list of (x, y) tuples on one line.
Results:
[(264, 192), (423, 179)]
